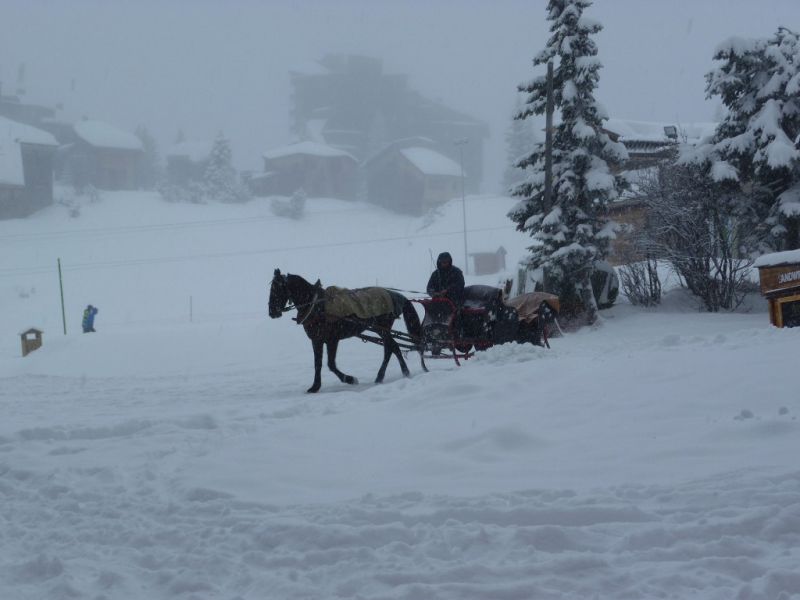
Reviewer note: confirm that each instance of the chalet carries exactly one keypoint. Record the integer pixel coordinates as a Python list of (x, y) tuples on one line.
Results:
[(187, 162), (411, 178), (317, 169), (26, 168), (649, 145), (488, 263), (102, 156), (350, 102)]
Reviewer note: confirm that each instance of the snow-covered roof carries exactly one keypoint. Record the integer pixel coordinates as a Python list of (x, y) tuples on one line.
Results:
[(12, 134), (309, 68), (430, 162), (314, 129), (652, 131), (194, 151), (25, 133), (778, 258), (103, 135), (307, 148)]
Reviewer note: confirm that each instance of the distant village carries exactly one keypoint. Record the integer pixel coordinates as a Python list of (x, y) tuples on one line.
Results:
[(362, 134)]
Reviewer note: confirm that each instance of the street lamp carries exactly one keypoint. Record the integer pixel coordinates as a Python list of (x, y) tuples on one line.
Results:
[(460, 143)]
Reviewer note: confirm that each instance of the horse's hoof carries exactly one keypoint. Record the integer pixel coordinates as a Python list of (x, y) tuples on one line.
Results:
[(379, 380), (406, 373), (351, 380), (313, 389)]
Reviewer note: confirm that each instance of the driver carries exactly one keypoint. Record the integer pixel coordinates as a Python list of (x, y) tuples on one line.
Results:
[(447, 280)]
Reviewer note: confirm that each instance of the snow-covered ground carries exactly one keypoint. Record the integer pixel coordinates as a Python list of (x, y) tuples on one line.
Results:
[(654, 456)]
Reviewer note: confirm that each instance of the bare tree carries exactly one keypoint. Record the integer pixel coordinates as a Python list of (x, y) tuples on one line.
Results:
[(694, 224), (639, 278)]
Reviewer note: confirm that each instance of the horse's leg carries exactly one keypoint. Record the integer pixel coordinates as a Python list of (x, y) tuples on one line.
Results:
[(333, 346), (387, 354), (317, 345), (399, 354), (390, 347)]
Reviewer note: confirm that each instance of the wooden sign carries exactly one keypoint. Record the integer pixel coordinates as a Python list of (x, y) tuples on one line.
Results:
[(787, 311), (783, 277)]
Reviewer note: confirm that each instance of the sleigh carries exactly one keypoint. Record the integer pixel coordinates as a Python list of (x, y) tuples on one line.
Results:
[(485, 319)]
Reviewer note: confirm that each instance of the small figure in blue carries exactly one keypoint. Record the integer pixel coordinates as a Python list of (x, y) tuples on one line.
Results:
[(88, 319)]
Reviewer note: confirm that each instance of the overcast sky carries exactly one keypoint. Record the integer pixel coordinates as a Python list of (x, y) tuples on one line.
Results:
[(206, 66)]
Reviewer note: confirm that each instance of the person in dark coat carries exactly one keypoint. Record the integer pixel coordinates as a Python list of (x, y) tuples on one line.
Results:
[(88, 319), (447, 280)]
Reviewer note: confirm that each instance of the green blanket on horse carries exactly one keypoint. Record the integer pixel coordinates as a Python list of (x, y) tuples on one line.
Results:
[(364, 303)]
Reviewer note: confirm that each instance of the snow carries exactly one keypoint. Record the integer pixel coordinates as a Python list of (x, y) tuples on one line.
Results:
[(104, 135), (789, 201), (650, 131), (722, 170), (194, 151), (778, 258), (307, 147), (12, 134), (430, 162), (309, 68), (653, 456), (738, 46)]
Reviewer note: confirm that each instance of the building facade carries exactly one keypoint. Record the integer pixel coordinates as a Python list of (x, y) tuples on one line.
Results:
[(349, 102), (26, 168)]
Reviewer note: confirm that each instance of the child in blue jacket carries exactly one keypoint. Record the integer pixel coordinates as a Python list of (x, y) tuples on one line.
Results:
[(88, 318)]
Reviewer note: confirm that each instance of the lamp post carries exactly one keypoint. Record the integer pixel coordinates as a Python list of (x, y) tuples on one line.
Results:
[(460, 143)]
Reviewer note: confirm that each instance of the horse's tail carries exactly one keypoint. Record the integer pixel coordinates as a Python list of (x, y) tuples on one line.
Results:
[(411, 318)]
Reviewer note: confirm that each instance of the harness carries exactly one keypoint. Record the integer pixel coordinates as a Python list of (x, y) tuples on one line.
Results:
[(314, 301)]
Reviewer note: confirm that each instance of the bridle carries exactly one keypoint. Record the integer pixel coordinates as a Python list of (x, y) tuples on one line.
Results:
[(289, 306)]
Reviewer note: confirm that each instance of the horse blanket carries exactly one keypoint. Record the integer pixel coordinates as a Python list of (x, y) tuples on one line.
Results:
[(527, 305), (363, 303)]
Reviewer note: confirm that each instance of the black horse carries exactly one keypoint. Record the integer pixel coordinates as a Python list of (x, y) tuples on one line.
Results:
[(309, 300)]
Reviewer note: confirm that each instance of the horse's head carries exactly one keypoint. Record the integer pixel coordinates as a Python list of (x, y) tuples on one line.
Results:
[(278, 294)]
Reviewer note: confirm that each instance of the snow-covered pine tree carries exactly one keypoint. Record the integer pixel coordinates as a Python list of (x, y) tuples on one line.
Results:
[(520, 139), (220, 181), (574, 231), (754, 151)]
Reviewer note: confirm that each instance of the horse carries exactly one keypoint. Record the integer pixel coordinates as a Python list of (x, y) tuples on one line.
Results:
[(309, 300)]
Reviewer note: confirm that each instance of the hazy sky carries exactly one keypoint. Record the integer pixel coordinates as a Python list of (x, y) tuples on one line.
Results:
[(206, 66)]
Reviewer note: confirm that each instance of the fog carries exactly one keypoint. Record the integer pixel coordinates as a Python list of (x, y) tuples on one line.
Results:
[(205, 67)]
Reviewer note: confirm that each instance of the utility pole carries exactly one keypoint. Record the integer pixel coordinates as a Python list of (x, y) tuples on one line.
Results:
[(460, 143), (548, 142), (61, 287)]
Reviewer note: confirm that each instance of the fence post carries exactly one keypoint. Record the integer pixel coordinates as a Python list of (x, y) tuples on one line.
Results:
[(61, 287)]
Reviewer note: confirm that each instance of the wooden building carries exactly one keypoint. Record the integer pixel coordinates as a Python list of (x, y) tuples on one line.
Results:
[(488, 263), (102, 156), (26, 169), (316, 169), (411, 179), (779, 274), (187, 162), (649, 145), (351, 102)]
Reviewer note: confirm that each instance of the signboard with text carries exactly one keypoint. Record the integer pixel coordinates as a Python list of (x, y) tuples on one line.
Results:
[(784, 277)]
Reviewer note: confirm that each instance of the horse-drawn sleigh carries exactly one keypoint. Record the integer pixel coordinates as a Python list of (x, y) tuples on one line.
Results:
[(485, 319)]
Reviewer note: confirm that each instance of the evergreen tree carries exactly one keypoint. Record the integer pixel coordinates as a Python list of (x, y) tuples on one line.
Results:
[(519, 142), (754, 152), (573, 231), (220, 181), (150, 163)]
